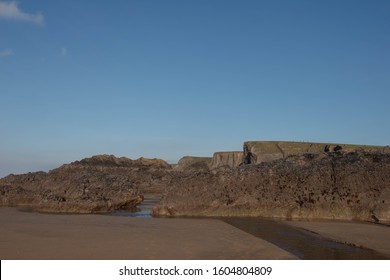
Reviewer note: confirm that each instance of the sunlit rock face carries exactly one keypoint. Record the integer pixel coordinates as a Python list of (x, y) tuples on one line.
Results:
[(354, 185), (269, 179), (263, 151), (98, 184), (226, 159)]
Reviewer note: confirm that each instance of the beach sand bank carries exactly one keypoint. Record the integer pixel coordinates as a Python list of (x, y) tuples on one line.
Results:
[(30, 235), (361, 234)]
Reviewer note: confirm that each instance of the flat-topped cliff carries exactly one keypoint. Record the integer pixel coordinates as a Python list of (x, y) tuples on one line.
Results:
[(264, 151), (255, 152)]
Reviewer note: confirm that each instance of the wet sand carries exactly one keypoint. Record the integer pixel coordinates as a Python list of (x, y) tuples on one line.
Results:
[(365, 235), (29, 235)]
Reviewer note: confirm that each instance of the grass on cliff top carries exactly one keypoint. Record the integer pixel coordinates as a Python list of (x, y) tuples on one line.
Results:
[(296, 147)]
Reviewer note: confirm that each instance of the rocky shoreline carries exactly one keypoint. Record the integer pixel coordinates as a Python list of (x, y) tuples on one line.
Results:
[(286, 180), (94, 185), (351, 186)]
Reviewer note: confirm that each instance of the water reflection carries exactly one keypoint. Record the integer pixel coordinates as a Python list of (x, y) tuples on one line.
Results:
[(303, 244), (143, 210)]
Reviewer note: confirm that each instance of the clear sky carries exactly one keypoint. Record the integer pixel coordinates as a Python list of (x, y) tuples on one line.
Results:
[(188, 77)]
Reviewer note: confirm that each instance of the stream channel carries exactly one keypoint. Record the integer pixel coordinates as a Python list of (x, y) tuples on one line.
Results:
[(302, 243)]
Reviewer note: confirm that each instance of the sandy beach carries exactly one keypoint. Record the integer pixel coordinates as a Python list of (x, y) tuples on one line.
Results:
[(366, 235), (29, 235)]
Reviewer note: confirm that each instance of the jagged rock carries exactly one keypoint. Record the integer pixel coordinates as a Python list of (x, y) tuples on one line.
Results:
[(339, 185), (112, 161), (106, 161), (97, 184), (155, 162), (279, 179)]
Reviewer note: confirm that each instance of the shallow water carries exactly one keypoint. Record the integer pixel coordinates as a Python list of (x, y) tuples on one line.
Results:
[(143, 210), (303, 244)]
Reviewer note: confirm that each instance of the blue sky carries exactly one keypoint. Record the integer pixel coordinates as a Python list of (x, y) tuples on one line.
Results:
[(172, 78)]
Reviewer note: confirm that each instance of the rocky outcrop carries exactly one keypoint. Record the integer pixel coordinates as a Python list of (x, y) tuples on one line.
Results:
[(97, 184), (340, 185), (107, 161), (264, 151), (153, 163), (190, 163), (279, 179), (226, 159)]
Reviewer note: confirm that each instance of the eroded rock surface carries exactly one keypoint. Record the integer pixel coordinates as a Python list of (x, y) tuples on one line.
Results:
[(276, 179), (98, 184), (340, 185)]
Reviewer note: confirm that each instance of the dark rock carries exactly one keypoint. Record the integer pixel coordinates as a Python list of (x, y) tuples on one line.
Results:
[(278, 180), (97, 184), (335, 186), (337, 148)]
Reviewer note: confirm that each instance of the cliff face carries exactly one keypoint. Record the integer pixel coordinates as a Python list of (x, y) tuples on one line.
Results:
[(98, 184), (264, 151), (190, 163), (226, 159), (340, 185), (219, 159)]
